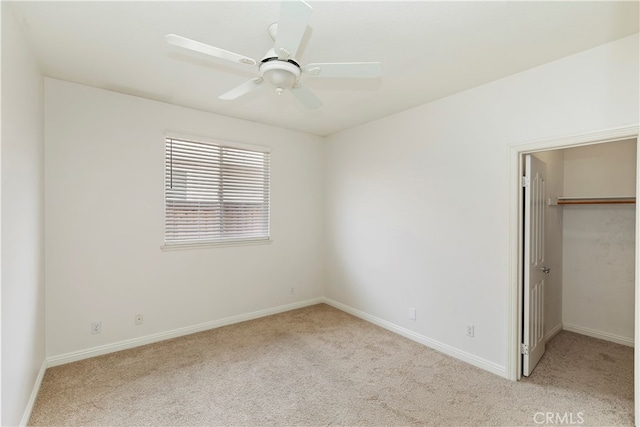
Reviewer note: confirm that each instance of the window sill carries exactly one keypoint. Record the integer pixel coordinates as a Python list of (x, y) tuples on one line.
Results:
[(208, 245)]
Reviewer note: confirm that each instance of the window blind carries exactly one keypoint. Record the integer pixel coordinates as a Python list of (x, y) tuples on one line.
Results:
[(215, 193)]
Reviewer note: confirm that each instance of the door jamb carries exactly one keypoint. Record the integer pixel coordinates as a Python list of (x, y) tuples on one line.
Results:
[(514, 297)]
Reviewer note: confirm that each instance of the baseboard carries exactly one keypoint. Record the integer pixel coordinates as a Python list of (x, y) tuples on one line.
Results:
[(599, 334), (34, 394), (436, 345), (553, 332), (149, 339)]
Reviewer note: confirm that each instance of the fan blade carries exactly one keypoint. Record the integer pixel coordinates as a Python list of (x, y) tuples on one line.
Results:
[(293, 20), (189, 44), (243, 89), (358, 70), (305, 96)]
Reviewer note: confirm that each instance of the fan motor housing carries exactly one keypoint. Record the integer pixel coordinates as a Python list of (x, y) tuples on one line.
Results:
[(281, 74)]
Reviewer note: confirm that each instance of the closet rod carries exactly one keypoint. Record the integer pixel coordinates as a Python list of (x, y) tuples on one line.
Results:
[(596, 200)]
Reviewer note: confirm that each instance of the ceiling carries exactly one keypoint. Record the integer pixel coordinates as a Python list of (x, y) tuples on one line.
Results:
[(428, 50)]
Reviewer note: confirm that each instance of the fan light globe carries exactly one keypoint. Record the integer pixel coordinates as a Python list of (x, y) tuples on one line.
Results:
[(280, 78), (281, 74)]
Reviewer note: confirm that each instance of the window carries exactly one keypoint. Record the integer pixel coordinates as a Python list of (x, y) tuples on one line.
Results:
[(215, 193)]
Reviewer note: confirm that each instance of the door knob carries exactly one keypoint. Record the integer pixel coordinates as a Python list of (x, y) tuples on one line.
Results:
[(545, 270)]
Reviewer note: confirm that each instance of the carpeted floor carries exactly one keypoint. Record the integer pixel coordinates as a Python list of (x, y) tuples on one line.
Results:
[(319, 366)]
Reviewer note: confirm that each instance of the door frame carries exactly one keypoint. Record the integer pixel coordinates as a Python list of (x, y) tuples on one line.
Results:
[(514, 297)]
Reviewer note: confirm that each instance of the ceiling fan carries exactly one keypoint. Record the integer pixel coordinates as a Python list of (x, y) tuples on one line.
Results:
[(279, 67)]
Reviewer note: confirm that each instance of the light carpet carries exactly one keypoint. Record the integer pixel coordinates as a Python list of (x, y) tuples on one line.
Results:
[(320, 366)]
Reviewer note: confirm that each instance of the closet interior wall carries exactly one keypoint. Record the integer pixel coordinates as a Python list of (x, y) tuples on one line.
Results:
[(598, 242)]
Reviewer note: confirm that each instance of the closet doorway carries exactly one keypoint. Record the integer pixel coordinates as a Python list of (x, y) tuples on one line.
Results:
[(581, 276), (589, 243)]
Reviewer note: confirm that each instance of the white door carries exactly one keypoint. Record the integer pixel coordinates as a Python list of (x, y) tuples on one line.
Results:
[(534, 263)]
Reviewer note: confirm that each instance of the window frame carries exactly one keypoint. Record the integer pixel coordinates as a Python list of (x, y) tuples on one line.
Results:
[(186, 245)]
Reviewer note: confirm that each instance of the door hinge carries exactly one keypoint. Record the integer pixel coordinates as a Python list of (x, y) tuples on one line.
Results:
[(524, 349), (525, 181)]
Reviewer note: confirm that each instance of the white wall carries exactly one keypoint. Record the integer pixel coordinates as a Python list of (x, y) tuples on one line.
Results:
[(104, 170), (601, 170), (554, 185), (599, 242), (23, 312), (417, 203)]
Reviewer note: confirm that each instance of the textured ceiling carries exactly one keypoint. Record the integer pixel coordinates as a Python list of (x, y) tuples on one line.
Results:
[(428, 50)]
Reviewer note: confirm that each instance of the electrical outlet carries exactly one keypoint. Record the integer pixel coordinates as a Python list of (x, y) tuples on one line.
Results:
[(96, 327), (292, 291), (470, 330), (139, 319), (412, 314)]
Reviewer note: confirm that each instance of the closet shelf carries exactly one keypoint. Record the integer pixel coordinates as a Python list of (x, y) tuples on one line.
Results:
[(596, 200)]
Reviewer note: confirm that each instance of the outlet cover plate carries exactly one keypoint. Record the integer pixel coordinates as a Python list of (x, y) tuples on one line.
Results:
[(96, 327), (470, 330)]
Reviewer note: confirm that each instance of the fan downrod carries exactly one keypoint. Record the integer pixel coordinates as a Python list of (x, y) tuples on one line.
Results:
[(273, 30)]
